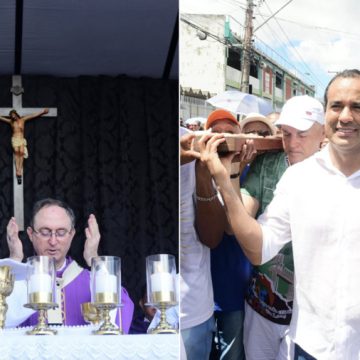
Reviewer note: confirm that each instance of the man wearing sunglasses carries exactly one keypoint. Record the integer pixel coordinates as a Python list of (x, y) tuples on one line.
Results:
[(51, 231)]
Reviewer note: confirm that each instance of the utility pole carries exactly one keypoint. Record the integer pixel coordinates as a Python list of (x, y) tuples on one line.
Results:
[(247, 48)]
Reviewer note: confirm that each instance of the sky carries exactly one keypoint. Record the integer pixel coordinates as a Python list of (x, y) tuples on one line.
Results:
[(313, 39)]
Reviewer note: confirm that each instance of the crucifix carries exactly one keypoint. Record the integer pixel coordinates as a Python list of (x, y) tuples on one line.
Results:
[(26, 114)]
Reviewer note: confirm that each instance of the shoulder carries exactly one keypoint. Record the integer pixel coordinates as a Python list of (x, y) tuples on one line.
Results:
[(311, 163), (71, 263), (298, 174)]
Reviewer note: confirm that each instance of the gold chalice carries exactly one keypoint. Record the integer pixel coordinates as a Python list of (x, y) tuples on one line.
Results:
[(91, 313), (6, 287)]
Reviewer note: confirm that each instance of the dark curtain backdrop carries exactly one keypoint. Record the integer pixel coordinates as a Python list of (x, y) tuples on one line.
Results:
[(112, 151)]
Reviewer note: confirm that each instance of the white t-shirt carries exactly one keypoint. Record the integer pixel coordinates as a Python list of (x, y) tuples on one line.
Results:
[(317, 208), (196, 293)]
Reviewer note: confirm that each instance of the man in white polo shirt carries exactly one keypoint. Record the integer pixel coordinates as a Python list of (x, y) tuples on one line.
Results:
[(316, 207)]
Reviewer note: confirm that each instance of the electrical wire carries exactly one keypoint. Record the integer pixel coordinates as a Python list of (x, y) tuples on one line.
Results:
[(321, 28), (200, 28), (302, 61)]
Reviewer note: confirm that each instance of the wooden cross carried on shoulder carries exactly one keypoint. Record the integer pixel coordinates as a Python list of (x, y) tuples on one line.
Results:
[(18, 143)]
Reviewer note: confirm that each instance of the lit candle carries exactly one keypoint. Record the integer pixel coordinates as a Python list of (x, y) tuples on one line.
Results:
[(39, 288), (39, 283), (105, 283), (161, 281), (106, 287)]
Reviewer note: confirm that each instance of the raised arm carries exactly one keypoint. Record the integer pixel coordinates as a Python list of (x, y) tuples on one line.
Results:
[(92, 241), (187, 152), (246, 229), (4, 119), (235, 174), (13, 241), (35, 115), (211, 221), (210, 215)]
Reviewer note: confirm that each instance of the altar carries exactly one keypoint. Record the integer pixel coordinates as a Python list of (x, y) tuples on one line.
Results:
[(78, 343)]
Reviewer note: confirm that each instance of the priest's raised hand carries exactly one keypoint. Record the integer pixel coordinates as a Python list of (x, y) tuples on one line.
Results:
[(92, 234), (13, 240)]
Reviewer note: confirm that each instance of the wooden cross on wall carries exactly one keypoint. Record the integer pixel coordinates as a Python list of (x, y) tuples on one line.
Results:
[(17, 91)]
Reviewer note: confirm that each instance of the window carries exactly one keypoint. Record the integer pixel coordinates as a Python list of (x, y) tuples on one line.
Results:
[(279, 80), (234, 58), (267, 82), (295, 89), (254, 68)]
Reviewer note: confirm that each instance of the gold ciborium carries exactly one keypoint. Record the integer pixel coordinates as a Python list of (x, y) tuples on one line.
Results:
[(105, 290), (6, 287), (161, 286), (90, 313), (41, 291)]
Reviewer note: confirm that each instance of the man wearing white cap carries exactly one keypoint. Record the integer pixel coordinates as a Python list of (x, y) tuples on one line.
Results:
[(316, 208), (270, 294)]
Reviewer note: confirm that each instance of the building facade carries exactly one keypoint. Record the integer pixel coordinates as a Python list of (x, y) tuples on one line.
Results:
[(210, 63)]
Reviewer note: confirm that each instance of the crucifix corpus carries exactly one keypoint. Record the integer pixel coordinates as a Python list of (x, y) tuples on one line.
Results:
[(17, 122)]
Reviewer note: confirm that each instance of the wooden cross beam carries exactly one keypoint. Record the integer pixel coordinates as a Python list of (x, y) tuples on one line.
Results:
[(17, 91)]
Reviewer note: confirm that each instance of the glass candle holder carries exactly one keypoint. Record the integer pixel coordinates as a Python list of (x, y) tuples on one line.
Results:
[(41, 277), (161, 279), (106, 280)]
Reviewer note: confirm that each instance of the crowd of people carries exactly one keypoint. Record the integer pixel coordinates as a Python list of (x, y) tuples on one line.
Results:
[(268, 251)]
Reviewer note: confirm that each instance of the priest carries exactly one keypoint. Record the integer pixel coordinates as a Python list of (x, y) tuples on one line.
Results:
[(51, 230)]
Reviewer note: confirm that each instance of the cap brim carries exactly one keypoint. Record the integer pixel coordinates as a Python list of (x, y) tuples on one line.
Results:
[(299, 124)]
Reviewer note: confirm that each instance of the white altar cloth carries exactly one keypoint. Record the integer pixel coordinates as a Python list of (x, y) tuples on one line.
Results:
[(78, 343)]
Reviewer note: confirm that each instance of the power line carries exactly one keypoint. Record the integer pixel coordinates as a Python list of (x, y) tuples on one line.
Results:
[(313, 27), (296, 51), (276, 37), (208, 33), (281, 57), (272, 14), (235, 3)]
